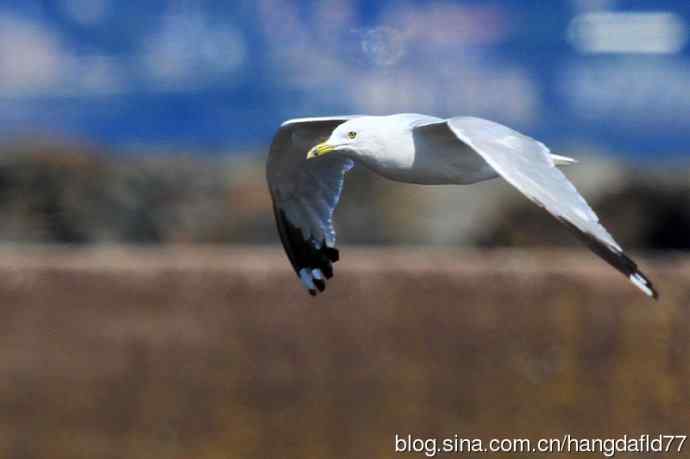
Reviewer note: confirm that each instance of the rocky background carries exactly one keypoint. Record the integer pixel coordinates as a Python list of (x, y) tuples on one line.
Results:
[(78, 194)]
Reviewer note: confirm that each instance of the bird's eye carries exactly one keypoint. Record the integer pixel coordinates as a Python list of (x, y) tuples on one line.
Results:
[(351, 135)]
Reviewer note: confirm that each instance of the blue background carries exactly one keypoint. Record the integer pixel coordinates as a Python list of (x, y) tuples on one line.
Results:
[(219, 77)]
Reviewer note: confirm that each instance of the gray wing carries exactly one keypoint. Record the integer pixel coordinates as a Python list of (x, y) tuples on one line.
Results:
[(527, 165), (305, 194)]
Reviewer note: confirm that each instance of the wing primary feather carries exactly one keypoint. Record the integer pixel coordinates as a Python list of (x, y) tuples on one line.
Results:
[(305, 194), (615, 258), (306, 255)]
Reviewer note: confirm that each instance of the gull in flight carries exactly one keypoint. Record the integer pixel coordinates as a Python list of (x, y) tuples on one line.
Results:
[(309, 158)]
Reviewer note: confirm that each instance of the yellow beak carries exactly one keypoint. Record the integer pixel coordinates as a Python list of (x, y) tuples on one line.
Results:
[(320, 150)]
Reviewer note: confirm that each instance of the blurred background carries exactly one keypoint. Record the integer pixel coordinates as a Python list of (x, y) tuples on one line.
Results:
[(148, 310)]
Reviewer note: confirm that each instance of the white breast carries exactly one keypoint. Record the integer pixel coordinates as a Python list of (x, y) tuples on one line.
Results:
[(406, 157)]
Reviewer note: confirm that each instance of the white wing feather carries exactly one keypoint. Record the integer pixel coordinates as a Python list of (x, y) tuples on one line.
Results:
[(528, 165), (305, 195)]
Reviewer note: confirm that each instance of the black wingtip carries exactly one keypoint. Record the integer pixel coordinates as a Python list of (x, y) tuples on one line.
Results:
[(306, 254), (332, 253), (616, 258), (320, 284)]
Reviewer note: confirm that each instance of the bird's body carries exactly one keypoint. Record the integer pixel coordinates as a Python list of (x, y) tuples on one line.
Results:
[(305, 179), (406, 157)]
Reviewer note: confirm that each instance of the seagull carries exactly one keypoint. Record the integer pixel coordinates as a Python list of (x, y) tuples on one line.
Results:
[(309, 158)]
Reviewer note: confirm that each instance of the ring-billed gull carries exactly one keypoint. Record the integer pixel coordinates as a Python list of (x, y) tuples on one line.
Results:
[(310, 156)]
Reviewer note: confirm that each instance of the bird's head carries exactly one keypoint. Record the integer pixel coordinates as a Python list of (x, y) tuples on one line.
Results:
[(353, 138)]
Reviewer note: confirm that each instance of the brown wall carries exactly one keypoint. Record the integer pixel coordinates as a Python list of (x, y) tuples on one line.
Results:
[(218, 353)]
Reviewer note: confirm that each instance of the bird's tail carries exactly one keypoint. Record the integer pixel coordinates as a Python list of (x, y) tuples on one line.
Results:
[(559, 160)]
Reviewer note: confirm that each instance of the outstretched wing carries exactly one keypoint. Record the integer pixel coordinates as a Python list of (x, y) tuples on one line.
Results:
[(305, 194), (527, 165)]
